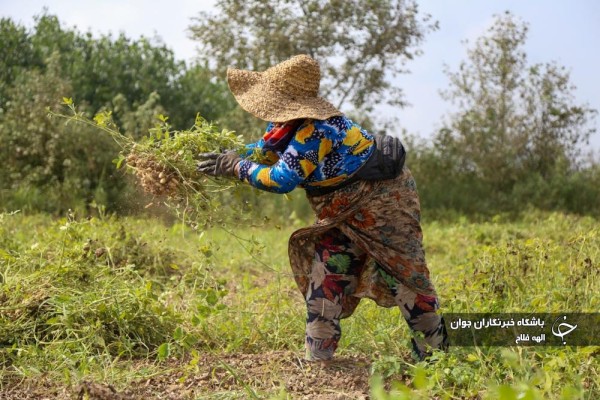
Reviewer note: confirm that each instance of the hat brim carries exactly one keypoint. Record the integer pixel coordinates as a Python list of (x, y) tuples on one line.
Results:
[(255, 95)]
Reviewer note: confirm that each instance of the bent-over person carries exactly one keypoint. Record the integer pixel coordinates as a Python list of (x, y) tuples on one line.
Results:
[(367, 238)]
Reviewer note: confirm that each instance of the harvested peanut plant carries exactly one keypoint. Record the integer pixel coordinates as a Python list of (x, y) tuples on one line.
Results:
[(164, 160)]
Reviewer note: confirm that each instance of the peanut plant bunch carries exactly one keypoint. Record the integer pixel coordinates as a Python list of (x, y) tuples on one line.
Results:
[(164, 161)]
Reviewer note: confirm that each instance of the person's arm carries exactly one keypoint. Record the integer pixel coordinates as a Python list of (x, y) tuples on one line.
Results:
[(252, 148), (227, 164), (296, 163), (257, 153)]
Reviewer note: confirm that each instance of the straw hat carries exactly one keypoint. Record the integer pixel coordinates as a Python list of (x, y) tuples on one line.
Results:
[(286, 91)]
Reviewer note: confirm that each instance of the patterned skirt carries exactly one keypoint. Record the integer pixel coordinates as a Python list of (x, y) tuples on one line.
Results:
[(383, 219)]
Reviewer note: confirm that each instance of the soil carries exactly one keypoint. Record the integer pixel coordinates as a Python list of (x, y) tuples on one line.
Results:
[(222, 376)]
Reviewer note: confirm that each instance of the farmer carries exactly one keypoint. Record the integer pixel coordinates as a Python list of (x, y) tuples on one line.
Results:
[(366, 241)]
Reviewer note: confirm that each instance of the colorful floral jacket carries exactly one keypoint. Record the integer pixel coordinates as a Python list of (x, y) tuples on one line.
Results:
[(321, 153)]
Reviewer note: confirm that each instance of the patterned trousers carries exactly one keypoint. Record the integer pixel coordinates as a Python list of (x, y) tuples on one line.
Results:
[(334, 274)]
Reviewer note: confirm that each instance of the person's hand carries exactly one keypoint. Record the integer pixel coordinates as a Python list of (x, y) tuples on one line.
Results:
[(218, 164)]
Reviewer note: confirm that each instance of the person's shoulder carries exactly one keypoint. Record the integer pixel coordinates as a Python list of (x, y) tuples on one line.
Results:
[(339, 122)]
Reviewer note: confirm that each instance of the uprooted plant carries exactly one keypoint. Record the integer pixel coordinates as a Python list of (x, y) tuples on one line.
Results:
[(164, 161)]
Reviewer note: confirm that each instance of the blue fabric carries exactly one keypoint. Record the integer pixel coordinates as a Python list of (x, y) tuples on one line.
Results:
[(321, 153)]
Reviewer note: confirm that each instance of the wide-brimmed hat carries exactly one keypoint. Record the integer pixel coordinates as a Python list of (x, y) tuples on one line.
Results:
[(286, 91)]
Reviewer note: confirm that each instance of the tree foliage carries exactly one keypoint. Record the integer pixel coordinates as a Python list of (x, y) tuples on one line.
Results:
[(516, 136), (16, 54), (100, 69), (47, 165), (359, 44), (514, 119)]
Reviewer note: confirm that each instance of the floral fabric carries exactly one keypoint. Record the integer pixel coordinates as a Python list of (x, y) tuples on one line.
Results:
[(366, 242), (335, 270), (382, 218), (333, 277), (321, 153)]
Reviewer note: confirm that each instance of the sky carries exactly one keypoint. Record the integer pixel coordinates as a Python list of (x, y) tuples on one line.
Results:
[(565, 31)]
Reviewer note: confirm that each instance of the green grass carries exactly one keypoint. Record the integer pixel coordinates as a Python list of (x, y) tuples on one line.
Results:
[(85, 299)]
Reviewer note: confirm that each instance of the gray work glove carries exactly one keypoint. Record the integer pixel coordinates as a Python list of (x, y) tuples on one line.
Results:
[(218, 164)]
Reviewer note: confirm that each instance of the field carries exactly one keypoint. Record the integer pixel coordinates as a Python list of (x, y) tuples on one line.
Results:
[(123, 308)]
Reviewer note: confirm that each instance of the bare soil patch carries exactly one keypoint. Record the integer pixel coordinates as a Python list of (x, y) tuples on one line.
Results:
[(221, 376)]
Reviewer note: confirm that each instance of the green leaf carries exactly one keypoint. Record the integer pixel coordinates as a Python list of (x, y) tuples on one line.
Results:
[(118, 161), (178, 334), (420, 380), (163, 351), (506, 392), (103, 118)]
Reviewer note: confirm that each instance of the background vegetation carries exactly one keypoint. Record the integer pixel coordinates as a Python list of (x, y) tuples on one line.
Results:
[(517, 137), (93, 287)]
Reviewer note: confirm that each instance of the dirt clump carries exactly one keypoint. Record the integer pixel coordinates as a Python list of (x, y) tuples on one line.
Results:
[(155, 178)]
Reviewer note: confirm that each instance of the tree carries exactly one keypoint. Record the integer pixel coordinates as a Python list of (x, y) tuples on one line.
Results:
[(47, 165), (50, 166), (17, 53), (514, 120), (195, 91), (359, 44)]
